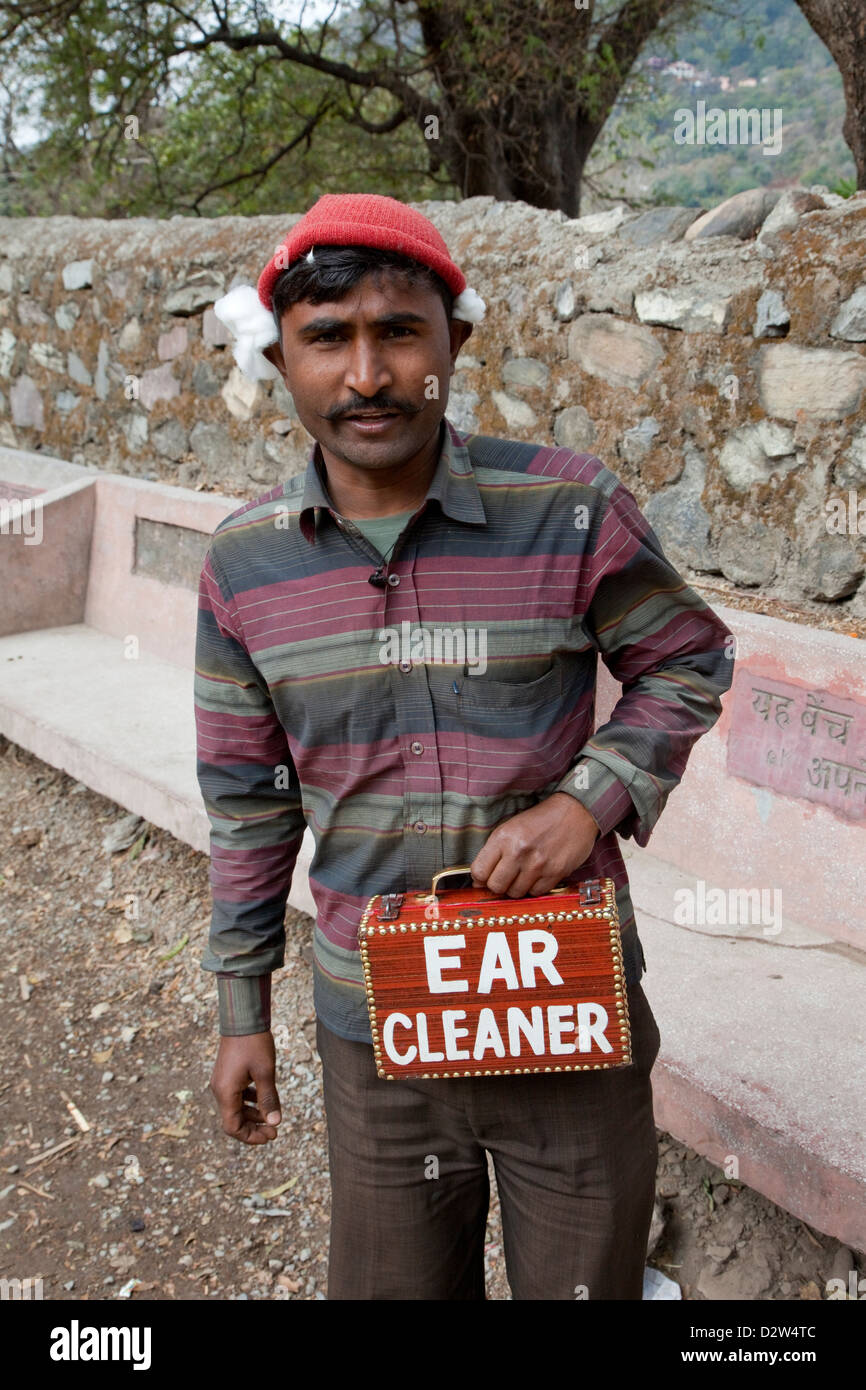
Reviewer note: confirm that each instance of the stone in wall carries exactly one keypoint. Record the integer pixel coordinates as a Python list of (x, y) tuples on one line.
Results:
[(241, 395), (690, 310), (76, 369), (135, 429), (159, 384), (462, 409), (77, 275), (170, 439), (526, 371), (850, 470), (172, 344), (205, 381), (772, 319), (823, 383), (213, 444), (679, 518), (26, 401), (622, 354), (517, 414), (659, 225), (564, 301), (8, 343), (749, 553), (850, 321), (44, 355), (100, 380), (740, 216), (130, 336), (788, 211), (573, 429), (831, 569), (753, 453), (65, 316), (194, 293)]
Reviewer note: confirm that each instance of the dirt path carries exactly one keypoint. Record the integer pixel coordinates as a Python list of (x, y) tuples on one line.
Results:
[(108, 1012)]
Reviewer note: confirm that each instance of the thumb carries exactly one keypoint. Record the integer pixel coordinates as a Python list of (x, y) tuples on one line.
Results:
[(267, 1099)]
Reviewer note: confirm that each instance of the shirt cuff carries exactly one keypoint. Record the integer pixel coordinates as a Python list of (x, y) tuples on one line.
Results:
[(600, 791), (244, 1004)]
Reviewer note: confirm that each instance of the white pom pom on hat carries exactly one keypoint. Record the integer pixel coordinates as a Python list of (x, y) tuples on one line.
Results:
[(252, 326)]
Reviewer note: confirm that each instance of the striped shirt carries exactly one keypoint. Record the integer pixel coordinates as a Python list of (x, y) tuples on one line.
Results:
[(403, 722)]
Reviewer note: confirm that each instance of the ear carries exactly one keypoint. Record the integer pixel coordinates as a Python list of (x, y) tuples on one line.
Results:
[(274, 354), (460, 331)]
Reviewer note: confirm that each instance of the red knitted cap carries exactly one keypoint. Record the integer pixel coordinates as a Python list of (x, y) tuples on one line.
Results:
[(363, 219)]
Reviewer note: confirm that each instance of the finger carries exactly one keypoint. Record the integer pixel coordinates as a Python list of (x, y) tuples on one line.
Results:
[(485, 862), (505, 874), (249, 1132)]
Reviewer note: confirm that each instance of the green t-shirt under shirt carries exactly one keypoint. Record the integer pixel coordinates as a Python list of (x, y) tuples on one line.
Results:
[(382, 531)]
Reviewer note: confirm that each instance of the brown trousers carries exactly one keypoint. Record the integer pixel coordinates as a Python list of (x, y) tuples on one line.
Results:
[(574, 1154)]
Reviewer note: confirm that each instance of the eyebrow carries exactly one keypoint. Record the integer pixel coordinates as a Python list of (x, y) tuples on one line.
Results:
[(330, 325)]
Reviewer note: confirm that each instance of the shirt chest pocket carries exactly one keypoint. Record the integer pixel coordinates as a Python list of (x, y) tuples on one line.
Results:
[(499, 737), (505, 687)]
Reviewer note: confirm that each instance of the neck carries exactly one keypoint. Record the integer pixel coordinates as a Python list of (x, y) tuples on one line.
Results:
[(359, 493)]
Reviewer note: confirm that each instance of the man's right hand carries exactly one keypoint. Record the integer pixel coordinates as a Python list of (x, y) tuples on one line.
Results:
[(245, 1071)]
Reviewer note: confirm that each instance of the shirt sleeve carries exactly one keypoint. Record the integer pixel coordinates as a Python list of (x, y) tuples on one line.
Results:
[(251, 793), (674, 659)]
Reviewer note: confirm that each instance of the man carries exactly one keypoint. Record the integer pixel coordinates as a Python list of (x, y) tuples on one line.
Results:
[(309, 715)]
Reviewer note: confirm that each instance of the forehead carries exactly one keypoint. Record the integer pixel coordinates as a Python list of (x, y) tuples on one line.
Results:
[(380, 291)]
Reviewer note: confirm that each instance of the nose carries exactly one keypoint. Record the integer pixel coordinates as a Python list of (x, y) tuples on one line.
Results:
[(367, 371)]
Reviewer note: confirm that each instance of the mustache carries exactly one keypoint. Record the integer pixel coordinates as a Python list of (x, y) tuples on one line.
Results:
[(370, 406)]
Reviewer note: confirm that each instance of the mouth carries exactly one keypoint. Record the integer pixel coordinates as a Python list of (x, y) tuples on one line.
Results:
[(371, 422)]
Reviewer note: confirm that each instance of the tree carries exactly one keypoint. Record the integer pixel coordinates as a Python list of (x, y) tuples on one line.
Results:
[(500, 97), (841, 25)]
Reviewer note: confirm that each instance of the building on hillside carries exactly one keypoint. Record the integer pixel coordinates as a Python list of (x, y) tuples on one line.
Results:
[(681, 70)]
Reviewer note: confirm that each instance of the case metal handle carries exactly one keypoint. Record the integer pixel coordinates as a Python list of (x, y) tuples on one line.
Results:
[(443, 873)]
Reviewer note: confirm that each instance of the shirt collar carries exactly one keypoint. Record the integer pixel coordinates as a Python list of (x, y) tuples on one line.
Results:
[(453, 486)]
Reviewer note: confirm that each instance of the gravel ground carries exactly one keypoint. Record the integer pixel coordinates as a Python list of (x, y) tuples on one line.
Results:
[(115, 1178)]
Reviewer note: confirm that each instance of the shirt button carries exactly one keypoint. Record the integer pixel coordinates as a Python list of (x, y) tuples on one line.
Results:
[(417, 747), (405, 666), (393, 580), (420, 826)]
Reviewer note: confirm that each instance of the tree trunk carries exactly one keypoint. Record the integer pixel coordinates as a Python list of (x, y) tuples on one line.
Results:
[(525, 87), (841, 25), (546, 172)]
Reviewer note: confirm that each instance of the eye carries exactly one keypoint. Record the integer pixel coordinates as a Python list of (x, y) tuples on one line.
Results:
[(394, 328)]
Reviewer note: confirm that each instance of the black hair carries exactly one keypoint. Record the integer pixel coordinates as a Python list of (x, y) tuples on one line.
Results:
[(335, 270)]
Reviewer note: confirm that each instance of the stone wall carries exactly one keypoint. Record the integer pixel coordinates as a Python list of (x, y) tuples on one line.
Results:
[(717, 365)]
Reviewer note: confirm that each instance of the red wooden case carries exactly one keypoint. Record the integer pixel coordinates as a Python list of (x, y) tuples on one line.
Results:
[(470, 984)]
